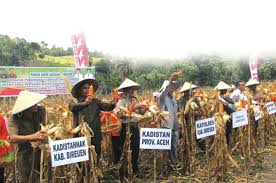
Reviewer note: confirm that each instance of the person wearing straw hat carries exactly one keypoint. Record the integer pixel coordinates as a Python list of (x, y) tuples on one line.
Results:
[(252, 85), (128, 87), (89, 108), (228, 106), (24, 127), (256, 98), (186, 89), (167, 102)]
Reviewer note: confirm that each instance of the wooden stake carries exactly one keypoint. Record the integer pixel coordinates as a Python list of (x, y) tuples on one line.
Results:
[(245, 157), (41, 165), (208, 160), (129, 154), (154, 166)]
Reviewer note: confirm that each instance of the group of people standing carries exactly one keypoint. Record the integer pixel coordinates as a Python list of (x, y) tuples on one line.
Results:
[(28, 114)]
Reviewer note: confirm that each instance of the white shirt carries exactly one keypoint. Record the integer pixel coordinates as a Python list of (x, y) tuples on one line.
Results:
[(238, 95)]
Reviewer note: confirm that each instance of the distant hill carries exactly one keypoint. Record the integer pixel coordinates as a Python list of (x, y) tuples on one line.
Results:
[(60, 61)]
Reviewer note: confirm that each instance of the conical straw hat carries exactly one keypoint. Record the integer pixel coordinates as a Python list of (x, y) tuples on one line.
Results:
[(26, 100), (222, 86), (187, 86), (252, 82), (90, 81), (129, 83)]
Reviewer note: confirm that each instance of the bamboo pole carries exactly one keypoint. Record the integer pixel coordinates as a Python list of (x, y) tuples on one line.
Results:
[(154, 166), (208, 159), (129, 154)]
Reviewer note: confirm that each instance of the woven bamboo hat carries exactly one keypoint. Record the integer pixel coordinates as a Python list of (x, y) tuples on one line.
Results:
[(129, 83), (25, 100), (187, 86), (222, 86), (76, 87), (252, 82)]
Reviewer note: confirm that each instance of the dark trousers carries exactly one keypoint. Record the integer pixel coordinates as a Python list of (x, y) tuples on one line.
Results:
[(98, 149), (118, 144), (116, 148), (228, 131), (2, 171)]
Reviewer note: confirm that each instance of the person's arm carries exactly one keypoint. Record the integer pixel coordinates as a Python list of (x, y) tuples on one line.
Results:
[(14, 137), (106, 106), (234, 96), (257, 97), (161, 96), (75, 107), (40, 135)]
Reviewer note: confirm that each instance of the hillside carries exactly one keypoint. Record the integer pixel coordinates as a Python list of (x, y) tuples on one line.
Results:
[(61, 61)]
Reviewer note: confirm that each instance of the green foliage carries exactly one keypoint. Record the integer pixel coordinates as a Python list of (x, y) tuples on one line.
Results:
[(65, 61)]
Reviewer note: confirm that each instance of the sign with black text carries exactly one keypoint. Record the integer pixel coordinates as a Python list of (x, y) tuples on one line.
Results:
[(69, 151), (271, 109), (257, 113), (239, 118), (155, 138), (205, 128)]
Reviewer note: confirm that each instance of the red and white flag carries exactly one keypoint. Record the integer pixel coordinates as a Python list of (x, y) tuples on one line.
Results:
[(80, 50), (253, 65)]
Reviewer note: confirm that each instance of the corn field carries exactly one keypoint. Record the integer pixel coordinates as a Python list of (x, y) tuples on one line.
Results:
[(239, 161)]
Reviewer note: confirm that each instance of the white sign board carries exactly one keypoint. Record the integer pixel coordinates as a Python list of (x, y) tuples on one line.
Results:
[(257, 113), (155, 138), (205, 128), (271, 109), (239, 118), (69, 151)]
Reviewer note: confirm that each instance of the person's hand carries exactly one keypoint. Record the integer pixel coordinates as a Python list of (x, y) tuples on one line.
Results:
[(88, 100), (175, 75), (142, 110), (137, 106), (40, 135)]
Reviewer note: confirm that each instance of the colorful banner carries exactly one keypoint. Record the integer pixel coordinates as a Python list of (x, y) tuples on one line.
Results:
[(253, 65), (45, 80), (80, 50)]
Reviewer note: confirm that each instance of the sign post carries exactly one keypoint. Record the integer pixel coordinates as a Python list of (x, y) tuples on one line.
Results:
[(257, 113), (204, 129), (155, 138), (69, 151), (240, 118), (271, 109)]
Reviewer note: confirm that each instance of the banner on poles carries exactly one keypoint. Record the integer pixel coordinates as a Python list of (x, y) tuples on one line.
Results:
[(253, 65), (239, 118), (68, 151), (257, 113), (44, 80), (205, 128), (80, 50), (271, 109), (155, 138)]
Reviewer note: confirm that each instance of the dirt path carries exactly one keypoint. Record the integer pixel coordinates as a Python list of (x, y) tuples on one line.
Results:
[(269, 174)]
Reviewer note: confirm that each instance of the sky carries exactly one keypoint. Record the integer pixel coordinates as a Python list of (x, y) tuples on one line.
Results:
[(146, 28)]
